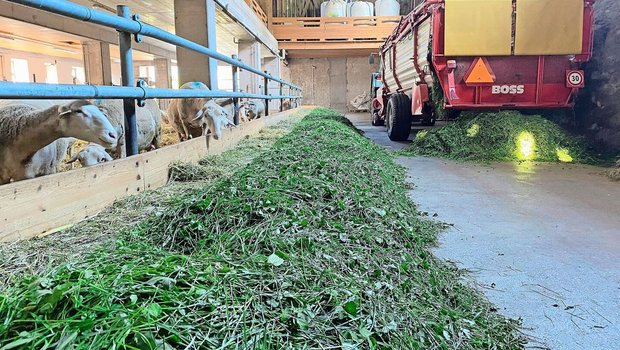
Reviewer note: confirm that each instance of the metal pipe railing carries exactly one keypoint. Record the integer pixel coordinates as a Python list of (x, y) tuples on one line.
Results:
[(235, 78), (266, 92), (69, 9), (41, 91), (129, 105), (127, 26)]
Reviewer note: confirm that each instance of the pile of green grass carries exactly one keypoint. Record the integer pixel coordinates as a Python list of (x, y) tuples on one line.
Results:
[(501, 136), (36, 255), (313, 245)]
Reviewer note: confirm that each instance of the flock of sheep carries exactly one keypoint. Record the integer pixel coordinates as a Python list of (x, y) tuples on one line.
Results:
[(36, 135)]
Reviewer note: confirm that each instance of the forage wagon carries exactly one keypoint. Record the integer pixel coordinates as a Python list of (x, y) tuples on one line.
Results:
[(447, 56)]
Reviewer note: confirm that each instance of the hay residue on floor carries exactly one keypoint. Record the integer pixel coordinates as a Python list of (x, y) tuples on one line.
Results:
[(168, 135), (35, 255)]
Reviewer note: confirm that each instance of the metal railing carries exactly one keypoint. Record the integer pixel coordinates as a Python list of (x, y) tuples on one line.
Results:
[(128, 26)]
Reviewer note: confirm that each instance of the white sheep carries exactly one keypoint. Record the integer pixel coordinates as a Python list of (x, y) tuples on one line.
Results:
[(148, 122), (48, 159), (181, 112), (254, 109), (25, 130), (214, 118), (90, 155)]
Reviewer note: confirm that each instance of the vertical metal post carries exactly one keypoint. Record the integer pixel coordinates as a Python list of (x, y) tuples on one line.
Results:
[(266, 92), (290, 99), (129, 105), (235, 77), (281, 100)]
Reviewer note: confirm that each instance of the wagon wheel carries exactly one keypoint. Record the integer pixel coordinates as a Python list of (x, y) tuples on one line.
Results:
[(399, 117)]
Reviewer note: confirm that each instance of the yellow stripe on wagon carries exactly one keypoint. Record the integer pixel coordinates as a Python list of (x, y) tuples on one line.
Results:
[(478, 28)]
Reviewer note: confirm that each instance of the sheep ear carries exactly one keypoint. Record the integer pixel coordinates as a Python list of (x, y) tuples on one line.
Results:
[(63, 111), (199, 114), (104, 110)]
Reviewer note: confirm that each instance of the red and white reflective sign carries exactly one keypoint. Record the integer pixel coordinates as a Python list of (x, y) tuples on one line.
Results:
[(575, 79)]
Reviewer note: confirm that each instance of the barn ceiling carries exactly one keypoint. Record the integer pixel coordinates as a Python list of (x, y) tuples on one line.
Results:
[(160, 13)]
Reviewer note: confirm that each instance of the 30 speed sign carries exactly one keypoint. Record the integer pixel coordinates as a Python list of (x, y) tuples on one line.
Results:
[(575, 79)]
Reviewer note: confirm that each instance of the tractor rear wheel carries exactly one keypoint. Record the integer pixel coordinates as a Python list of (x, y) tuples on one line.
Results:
[(399, 117)]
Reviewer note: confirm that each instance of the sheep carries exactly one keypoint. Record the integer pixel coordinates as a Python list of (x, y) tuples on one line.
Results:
[(254, 108), (90, 155), (25, 130), (148, 121), (181, 112), (214, 118), (48, 159)]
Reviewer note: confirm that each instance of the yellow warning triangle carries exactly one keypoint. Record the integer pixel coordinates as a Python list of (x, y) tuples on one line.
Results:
[(480, 74)]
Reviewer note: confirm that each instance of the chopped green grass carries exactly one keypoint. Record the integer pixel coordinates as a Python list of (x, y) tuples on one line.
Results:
[(313, 245), (37, 255), (502, 136)]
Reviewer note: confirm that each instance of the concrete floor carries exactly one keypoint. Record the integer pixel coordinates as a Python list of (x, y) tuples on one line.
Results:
[(542, 241)]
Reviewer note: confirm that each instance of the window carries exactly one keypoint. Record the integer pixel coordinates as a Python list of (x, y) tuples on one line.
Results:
[(174, 75), (147, 73), (79, 77), (51, 73), (19, 71), (224, 78)]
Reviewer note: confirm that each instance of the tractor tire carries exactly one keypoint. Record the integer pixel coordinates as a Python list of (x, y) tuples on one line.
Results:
[(375, 120), (399, 117)]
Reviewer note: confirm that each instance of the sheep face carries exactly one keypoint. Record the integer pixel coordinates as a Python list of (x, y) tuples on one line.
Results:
[(84, 121), (213, 118), (91, 155)]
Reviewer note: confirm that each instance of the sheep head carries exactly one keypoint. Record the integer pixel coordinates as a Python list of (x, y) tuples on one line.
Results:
[(214, 118), (84, 121), (92, 154)]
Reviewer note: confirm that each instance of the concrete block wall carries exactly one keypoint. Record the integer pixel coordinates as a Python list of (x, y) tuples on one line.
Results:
[(331, 82)]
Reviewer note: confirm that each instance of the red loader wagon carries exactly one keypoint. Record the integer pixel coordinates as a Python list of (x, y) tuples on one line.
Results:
[(481, 55)]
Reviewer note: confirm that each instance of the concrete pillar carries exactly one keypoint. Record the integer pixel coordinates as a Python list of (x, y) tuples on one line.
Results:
[(97, 63), (195, 20), (162, 72), (250, 54)]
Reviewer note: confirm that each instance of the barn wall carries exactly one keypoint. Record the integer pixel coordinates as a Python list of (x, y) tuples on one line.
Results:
[(331, 82)]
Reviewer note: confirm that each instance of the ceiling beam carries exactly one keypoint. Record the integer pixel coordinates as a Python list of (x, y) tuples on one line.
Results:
[(244, 15), (296, 49)]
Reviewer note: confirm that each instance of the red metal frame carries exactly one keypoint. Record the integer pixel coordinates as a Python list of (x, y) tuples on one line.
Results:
[(540, 80)]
